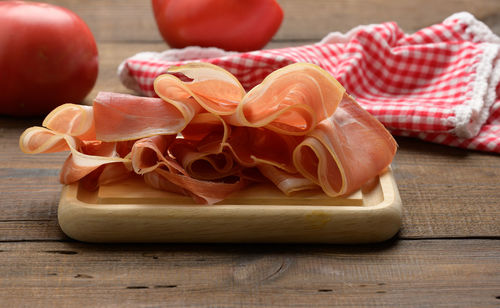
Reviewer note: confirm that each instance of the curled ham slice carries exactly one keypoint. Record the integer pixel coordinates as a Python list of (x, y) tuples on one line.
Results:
[(205, 137), (105, 174), (204, 164), (291, 100), (288, 183), (37, 140), (267, 147), (85, 156), (204, 124), (113, 172), (120, 117), (202, 151), (148, 154), (214, 88), (73, 120), (208, 192), (157, 180), (148, 158), (345, 150)]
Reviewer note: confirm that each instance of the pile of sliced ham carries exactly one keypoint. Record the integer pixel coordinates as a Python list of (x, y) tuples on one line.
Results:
[(206, 137)]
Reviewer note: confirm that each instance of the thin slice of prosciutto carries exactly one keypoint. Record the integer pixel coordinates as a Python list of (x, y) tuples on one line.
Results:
[(345, 150), (290, 101), (73, 120), (121, 117), (84, 158), (205, 137)]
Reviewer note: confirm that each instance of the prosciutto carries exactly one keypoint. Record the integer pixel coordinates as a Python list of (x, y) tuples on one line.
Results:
[(345, 150), (84, 158), (205, 137)]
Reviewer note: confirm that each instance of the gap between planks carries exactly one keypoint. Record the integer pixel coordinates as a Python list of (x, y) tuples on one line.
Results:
[(399, 239)]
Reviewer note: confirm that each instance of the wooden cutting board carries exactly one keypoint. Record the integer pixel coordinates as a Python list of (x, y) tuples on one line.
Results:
[(130, 211)]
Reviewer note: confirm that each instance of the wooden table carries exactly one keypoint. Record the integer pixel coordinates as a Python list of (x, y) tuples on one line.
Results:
[(447, 253)]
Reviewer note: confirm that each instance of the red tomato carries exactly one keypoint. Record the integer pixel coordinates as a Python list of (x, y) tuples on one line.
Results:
[(238, 25), (48, 57)]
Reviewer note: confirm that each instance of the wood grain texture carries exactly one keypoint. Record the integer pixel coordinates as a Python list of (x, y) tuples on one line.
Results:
[(427, 273), (447, 191), (107, 19)]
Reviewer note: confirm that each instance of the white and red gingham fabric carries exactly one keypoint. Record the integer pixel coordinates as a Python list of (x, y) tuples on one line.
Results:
[(440, 84)]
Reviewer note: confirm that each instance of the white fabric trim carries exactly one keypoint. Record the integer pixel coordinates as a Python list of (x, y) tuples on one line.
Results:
[(477, 30), (475, 112), (470, 116)]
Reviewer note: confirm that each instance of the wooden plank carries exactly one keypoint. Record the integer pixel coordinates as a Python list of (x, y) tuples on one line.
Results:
[(447, 191), (426, 273), (28, 184), (107, 19), (31, 230)]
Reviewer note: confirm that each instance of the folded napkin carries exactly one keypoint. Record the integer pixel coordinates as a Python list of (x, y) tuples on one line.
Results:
[(440, 84)]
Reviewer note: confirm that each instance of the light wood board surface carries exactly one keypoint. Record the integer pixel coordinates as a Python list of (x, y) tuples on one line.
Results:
[(446, 253), (130, 211)]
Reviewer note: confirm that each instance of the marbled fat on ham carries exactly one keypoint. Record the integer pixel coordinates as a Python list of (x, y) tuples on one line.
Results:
[(205, 137)]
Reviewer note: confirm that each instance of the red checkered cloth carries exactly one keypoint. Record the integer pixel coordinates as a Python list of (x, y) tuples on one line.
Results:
[(440, 84)]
